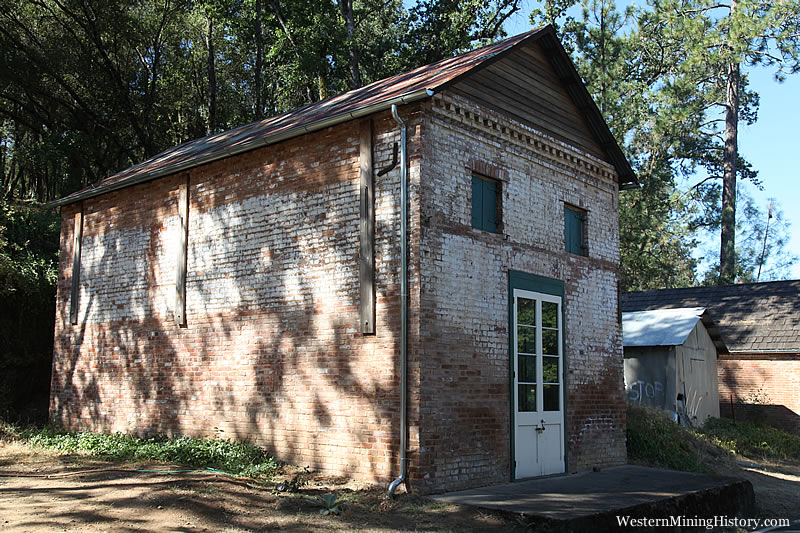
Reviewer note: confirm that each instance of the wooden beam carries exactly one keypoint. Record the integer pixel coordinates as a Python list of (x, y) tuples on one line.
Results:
[(367, 231), (77, 237), (183, 241)]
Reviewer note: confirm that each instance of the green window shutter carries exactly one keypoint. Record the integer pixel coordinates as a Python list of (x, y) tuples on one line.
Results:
[(489, 206), (477, 202), (573, 231), (484, 204)]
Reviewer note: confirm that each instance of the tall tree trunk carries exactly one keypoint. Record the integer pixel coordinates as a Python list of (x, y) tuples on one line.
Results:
[(346, 8), (259, 80), (727, 250), (603, 65), (212, 75), (322, 82)]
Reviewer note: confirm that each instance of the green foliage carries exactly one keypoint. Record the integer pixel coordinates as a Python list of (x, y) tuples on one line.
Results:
[(761, 249), (654, 439), (28, 273), (330, 503), (89, 88), (752, 440), (658, 71), (239, 458)]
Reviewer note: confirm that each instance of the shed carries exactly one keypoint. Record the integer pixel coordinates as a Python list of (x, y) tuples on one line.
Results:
[(759, 378), (671, 362), (412, 281)]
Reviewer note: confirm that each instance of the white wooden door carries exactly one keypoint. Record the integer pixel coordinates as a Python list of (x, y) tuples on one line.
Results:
[(538, 384)]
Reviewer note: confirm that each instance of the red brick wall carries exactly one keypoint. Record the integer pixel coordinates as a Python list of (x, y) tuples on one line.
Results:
[(271, 351), (762, 389), (464, 406)]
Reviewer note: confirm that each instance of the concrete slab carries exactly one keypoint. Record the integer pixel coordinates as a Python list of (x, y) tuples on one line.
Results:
[(593, 500)]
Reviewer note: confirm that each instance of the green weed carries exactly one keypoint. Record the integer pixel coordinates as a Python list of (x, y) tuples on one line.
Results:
[(330, 503), (752, 440), (239, 458)]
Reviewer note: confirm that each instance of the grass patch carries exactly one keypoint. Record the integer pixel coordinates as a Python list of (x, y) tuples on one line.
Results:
[(655, 440), (752, 440), (240, 458)]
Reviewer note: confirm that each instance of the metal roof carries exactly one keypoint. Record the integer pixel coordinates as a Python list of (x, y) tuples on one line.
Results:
[(667, 327), (753, 318), (404, 88), (663, 327)]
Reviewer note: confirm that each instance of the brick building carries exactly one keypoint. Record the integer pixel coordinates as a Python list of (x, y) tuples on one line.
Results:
[(759, 377), (253, 280)]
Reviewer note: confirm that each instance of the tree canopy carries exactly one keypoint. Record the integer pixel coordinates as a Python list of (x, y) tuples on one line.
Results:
[(88, 88), (666, 75)]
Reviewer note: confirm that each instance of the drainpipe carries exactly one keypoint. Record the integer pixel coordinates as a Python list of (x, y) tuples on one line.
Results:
[(403, 304)]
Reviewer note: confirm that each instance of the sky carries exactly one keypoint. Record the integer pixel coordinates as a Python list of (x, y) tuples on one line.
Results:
[(772, 144)]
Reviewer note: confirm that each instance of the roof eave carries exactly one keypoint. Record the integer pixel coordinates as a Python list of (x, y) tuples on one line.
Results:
[(245, 147), (565, 68)]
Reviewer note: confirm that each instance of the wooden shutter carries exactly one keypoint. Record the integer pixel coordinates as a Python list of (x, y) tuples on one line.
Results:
[(183, 243), (573, 231), (477, 202), (484, 203), (77, 237), (490, 206), (367, 232)]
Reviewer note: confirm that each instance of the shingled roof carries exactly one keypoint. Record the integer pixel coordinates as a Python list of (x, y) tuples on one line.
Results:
[(752, 318), (412, 86)]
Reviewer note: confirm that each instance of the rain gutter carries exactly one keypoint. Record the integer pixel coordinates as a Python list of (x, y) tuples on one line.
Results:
[(91, 192), (403, 304)]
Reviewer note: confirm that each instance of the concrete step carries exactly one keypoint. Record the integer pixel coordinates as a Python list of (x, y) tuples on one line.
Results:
[(601, 501)]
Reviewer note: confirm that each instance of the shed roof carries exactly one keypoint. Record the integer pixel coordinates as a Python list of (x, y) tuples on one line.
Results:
[(667, 327), (411, 86), (752, 318)]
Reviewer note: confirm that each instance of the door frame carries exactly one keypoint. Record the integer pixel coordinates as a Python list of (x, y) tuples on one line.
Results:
[(552, 287)]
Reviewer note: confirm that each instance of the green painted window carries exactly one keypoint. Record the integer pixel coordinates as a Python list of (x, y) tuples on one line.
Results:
[(485, 203), (575, 230)]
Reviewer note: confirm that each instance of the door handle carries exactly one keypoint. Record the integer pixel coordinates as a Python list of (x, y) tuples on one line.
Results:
[(541, 429)]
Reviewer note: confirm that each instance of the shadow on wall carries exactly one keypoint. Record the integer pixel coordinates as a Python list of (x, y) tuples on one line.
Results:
[(777, 416), (745, 395), (272, 351)]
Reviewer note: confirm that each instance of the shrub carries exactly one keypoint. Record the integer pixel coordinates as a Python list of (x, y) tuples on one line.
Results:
[(654, 439)]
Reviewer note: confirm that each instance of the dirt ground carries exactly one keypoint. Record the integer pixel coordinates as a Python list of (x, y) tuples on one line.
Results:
[(776, 485), (41, 490)]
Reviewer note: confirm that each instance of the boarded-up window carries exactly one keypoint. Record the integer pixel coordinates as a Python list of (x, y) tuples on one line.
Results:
[(485, 203), (575, 230)]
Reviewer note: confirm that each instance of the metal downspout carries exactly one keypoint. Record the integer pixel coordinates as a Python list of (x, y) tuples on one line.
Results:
[(403, 304)]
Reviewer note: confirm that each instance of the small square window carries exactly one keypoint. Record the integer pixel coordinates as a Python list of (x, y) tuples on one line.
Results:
[(485, 203), (575, 230)]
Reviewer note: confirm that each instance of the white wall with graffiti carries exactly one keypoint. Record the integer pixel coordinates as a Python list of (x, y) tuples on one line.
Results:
[(671, 364)]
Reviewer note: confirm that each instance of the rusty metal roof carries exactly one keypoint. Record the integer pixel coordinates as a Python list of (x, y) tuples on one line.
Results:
[(404, 88)]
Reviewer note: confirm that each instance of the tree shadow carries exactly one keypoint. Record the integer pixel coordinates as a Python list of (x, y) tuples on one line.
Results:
[(271, 352)]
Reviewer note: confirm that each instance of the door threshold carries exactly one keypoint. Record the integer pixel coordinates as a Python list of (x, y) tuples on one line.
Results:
[(560, 474)]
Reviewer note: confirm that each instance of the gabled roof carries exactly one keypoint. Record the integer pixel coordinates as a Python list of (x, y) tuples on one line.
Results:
[(405, 88), (667, 327), (752, 318)]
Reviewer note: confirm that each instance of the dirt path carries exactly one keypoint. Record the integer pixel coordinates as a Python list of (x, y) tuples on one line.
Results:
[(776, 486), (43, 491)]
